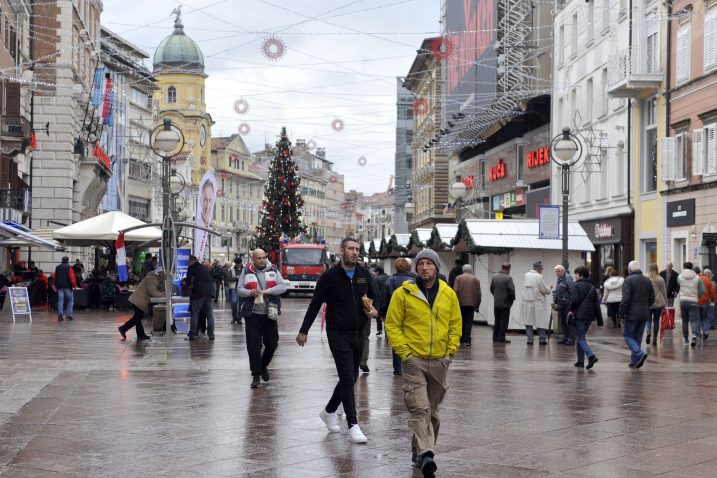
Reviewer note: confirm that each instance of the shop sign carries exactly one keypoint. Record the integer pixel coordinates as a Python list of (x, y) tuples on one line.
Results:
[(681, 213), (539, 157), (497, 202), (498, 171), (508, 200), (603, 231)]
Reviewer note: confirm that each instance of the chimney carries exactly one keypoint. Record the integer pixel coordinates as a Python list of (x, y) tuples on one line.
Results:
[(321, 153)]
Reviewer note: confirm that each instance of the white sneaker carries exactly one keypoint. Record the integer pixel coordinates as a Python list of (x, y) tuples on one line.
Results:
[(331, 420), (356, 435)]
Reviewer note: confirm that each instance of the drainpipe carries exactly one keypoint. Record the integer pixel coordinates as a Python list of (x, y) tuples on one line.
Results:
[(631, 229), (31, 35)]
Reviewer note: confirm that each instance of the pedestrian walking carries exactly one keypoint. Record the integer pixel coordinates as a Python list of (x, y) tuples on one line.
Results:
[(691, 288), (151, 286), (455, 272), (231, 280), (584, 309), (658, 284), (673, 287), (534, 308), (201, 292), (343, 288), (638, 295), (381, 278), (424, 328), (403, 274), (711, 308), (503, 290), (467, 288), (561, 303), (612, 297), (79, 269), (705, 302), (65, 281), (366, 332), (217, 278), (260, 285)]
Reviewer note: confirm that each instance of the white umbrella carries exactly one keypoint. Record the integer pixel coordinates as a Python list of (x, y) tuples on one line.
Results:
[(104, 229)]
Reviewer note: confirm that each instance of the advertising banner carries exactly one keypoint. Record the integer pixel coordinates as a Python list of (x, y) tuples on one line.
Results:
[(205, 211), (182, 264)]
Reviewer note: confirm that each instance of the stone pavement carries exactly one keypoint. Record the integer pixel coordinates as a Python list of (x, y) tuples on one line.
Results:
[(76, 401)]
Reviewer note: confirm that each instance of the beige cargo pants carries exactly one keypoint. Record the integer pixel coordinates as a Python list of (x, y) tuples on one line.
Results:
[(424, 386)]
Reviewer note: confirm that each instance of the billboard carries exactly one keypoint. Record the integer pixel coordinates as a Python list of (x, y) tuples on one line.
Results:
[(471, 67), (205, 211)]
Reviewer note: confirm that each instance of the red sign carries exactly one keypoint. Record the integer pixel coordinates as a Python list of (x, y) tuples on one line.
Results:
[(538, 157), (468, 181), (497, 171)]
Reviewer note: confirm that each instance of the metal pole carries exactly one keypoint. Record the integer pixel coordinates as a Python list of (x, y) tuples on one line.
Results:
[(458, 210), (166, 236), (565, 170)]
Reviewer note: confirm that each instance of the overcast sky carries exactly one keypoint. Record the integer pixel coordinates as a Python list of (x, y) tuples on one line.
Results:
[(341, 60)]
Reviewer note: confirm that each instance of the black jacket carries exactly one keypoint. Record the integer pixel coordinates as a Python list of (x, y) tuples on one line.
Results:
[(344, 311), (62, 276), (673, 287), (200, 282), (503, 290), (638, 296), (584, 301), (393, 283)]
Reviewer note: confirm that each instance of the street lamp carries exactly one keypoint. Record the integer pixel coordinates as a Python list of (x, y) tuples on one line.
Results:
[(410, 209), (565, 151), (457, 190), (167, 141)]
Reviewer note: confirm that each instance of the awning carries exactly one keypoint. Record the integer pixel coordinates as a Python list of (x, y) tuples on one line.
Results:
[(104, 229), (517, 234), (15, 237)]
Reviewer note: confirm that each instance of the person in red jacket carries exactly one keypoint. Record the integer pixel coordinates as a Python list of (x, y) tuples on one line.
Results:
[(705, 300), (64, 280)]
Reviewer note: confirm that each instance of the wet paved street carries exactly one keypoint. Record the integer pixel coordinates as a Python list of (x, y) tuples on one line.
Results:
[(76, 401)]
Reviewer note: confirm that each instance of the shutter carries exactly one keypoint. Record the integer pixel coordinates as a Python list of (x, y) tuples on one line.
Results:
[(667, 159), (12, 99), (697, 159), (710, 40), (710, 140), (680, 152), (683, 55)]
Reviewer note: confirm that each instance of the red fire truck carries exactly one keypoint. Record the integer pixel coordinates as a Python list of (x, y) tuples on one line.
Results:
[(301, 265)]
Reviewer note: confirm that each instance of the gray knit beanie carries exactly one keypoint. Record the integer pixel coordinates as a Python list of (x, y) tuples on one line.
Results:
[(429, 254)]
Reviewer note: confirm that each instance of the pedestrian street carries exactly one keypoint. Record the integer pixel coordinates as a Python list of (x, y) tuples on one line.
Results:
[(76, 401)]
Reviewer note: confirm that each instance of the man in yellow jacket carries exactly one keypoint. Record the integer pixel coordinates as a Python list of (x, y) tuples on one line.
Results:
[(424, 327)]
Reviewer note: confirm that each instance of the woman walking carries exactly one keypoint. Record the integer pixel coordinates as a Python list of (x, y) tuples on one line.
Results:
[(585, 306), (613, 296), (658, 283)]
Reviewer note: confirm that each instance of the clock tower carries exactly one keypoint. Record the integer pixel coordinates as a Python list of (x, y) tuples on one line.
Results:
[(179, 68)]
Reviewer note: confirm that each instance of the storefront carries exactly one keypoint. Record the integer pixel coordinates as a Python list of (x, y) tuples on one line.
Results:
[(612, 240)]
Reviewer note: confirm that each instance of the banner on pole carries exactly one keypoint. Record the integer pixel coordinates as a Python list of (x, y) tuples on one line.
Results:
[(205, 211)]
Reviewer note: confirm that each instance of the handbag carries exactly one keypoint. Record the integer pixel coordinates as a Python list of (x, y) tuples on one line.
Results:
[(272, 311), (667, 319)]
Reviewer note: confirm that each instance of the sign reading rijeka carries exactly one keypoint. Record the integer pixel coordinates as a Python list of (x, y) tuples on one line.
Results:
[(539, 157)]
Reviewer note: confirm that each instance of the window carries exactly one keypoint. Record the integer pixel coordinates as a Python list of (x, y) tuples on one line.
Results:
[(589, 100), (149, 102), (604, 172), (561, 45), (223, 212), (139, 208), (681, 156), (171, 95), (604, 99), (710, 39), (559, 113), (697, 152), (591, 20), (682, 62), (653, 54), (709, 137), (649, 150), (574, 36), (650, 256)]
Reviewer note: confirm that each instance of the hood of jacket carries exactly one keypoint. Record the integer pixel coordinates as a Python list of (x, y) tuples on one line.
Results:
[(688, 274)]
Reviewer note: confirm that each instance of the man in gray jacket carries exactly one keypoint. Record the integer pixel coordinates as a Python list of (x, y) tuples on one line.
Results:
[(260, 286), (638, 296), (503, 290)]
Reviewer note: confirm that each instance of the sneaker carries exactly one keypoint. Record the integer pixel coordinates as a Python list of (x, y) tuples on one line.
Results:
[(356, 435), (685, 342), (59, 318), (143, 337), (265, 375), (331, 420), (647, 340), (379, 332), (428, 466), (693, 342), (530, 342), (255, 382), (364, 368), (69, 317), (641, 361), (592, 361)]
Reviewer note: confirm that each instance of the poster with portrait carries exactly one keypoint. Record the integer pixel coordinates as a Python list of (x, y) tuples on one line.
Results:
[(205, 211)]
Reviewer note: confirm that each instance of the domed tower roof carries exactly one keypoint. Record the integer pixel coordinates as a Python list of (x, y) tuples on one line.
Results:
[(178, 53)]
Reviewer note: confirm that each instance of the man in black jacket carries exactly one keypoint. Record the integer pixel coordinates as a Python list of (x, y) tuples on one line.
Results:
[(503, 290), (637, 298), (342, 288), (201, 289), (673, 287)]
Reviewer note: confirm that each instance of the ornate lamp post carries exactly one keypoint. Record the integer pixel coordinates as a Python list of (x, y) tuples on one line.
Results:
[(167, 141), (458, 190), (410, 209), (565, 151)]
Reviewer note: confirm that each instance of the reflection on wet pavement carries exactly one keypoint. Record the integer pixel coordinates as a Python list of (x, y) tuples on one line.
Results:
[(75, 401)]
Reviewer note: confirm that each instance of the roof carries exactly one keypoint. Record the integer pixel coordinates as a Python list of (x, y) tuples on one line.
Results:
[(442, 235), (517, 234), (178, 53)]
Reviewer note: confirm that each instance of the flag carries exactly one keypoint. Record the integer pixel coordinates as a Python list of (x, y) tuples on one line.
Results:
[(121, 258), (109, 120), (97, 87), (33, 140), (107, 97)]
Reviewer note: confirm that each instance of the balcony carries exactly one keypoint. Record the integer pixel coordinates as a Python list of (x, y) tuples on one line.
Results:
[(631, 72), (14, 204), (14, 127)]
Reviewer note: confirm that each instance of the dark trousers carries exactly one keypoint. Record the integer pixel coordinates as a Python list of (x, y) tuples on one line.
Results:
[(346, 347), (653, 325), (199, 307), (502, 316), (379, 323), (397, 363), (613, 309), (366, 334), (467, 313), (217, 289), (260, 329), (569, 333), (135, 321)]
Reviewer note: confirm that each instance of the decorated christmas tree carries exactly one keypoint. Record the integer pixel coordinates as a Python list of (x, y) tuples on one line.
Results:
[(281, 207)]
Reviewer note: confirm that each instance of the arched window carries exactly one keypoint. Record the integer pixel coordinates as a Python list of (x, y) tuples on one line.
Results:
[(171, 95)]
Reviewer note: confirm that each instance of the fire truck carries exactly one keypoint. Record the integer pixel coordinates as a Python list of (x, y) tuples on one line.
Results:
[(301, 265)]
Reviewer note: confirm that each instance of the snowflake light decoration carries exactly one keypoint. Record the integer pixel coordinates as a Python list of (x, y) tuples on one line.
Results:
[(442, 48), (241, 106), (244, 129), (337, 124), (420, 106), (311, 145), (362, 161), (273, 48)]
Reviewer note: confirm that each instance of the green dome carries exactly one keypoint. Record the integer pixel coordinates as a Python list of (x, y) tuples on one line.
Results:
[(178, 53)]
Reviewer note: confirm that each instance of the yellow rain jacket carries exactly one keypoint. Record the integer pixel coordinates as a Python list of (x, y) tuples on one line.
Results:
[(413, 328)]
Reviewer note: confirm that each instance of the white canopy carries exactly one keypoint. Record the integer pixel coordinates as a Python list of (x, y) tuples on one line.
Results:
[(19, 238), (105, 228), (523, 234)]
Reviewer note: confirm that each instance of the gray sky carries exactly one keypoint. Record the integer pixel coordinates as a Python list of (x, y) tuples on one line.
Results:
[(341, 60)]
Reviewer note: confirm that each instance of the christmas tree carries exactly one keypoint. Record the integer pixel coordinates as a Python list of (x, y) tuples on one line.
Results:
[(281, 207)]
